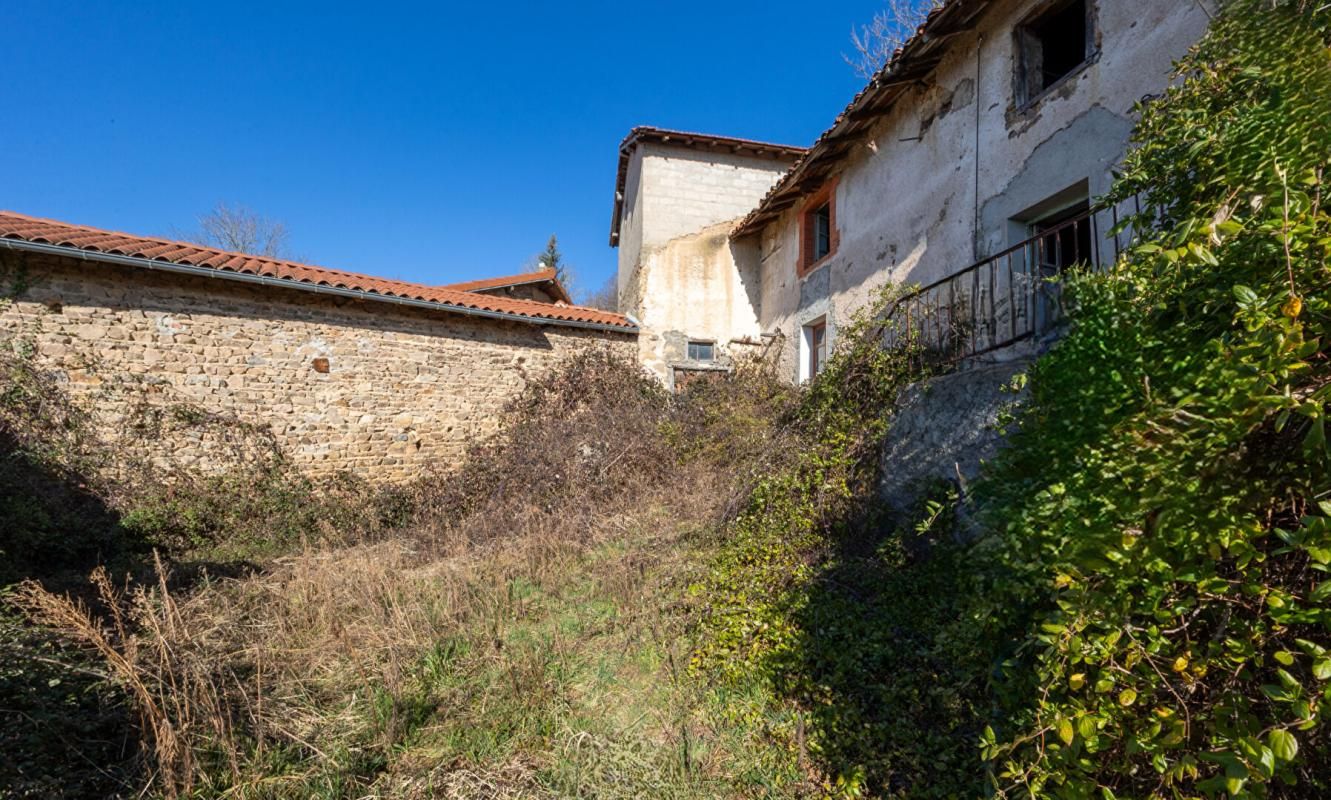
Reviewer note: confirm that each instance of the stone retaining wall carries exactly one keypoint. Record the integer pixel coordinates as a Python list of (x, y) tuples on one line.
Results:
[(343, 385)]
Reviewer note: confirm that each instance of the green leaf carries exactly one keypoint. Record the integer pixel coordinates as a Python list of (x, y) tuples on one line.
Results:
[(1283, 744), (1086, 727), (1065, 731), (1245, 296)]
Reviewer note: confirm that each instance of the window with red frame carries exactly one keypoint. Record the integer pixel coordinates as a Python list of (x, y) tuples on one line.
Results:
[(818, 233)]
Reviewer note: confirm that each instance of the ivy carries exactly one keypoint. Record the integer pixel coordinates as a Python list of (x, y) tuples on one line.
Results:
[(1148, 612), (850, 624), (1159, 585)]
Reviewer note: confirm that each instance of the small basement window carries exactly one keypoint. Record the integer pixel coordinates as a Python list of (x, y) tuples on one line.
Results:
[(1052, 45), (818, 234), (702, 351)]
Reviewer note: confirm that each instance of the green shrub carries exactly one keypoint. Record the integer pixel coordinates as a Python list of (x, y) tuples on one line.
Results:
[(851, 623), (1162, 531)]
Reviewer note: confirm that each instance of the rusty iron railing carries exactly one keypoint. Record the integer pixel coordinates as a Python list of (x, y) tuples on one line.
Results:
[(1012, 295)]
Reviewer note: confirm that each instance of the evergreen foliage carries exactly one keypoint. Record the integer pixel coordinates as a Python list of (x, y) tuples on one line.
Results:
[(1163, 520), (1147, 613)]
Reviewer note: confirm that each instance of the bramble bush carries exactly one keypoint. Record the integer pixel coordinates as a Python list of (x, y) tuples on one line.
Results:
[(1162, 521), (1148, 614)]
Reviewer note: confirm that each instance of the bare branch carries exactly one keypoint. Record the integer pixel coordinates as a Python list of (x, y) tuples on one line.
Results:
[(605, 298), (242, 230), (890, 28)]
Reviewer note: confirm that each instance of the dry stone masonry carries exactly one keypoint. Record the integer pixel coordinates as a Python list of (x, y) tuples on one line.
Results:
[(377, 389)]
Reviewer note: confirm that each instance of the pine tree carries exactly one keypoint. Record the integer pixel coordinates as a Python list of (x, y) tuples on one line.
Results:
[(551, 258)]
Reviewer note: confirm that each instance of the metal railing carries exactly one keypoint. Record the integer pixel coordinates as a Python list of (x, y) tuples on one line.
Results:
[(1012, 295)]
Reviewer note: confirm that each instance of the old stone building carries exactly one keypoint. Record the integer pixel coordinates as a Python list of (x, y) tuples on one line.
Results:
[(676, 198), (347, 372), (970, 163)]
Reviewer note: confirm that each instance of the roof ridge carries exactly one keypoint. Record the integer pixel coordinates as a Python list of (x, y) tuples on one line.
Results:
[(178, 242), (535, 276), (899, 59), (298, 273)]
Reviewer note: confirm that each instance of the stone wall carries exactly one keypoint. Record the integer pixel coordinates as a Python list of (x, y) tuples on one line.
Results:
[(947, 427), (343, 385)]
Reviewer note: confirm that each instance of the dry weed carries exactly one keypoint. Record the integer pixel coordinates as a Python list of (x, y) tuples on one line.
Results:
[(335, 657)]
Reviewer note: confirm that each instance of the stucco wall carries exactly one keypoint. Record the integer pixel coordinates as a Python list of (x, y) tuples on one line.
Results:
[(907, 208), (692, 288), (404, 387), (630, 231), (679, 274)]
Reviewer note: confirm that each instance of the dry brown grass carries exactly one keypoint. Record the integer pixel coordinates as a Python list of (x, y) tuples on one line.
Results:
[(523, 633)]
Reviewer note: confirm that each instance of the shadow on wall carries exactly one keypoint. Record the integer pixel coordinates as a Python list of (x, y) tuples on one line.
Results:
[(53, 528), (747, 256)]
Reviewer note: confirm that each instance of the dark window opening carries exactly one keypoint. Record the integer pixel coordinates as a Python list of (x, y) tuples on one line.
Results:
[(1053, 45), (822, 231), (702, 351), (1064, 239)]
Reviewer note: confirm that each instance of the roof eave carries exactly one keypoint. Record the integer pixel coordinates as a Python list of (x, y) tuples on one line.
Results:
[(912, 63), (358, 294)]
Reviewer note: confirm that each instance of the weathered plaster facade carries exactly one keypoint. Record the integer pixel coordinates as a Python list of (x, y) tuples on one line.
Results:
[(680, 274), (959, 164), (376, 389), (957, 168)]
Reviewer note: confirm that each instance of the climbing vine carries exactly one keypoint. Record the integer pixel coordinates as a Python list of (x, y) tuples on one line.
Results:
[(1163, 520)]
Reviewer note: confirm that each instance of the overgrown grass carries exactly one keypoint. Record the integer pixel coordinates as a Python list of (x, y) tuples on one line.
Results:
[(628, 594), (521, 632)]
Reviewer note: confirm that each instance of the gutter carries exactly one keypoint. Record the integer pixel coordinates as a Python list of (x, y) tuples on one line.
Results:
[(355, 294)]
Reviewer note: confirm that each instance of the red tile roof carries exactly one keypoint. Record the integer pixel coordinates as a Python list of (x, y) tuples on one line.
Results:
[(908, 65), (81, 241), (705, 142), (546, 276)]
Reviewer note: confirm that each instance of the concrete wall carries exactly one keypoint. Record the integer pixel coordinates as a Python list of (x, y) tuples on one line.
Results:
[(945, 175), (679, 274), (945, 429), (404, 387)]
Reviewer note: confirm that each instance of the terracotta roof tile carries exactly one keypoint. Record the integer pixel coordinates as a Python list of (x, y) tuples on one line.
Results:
[(548, 276), (911, 62), (83, 240)]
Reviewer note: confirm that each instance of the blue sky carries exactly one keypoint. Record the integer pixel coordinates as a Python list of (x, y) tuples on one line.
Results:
[(434, 143)]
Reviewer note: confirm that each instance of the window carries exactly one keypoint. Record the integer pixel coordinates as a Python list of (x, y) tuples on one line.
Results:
[(1063, 239), (818, 233), (702, 351), (1051, 45), (822, 231), (815, 342)]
